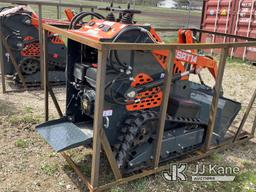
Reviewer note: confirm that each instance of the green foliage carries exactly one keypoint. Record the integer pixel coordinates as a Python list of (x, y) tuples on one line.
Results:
[(26, 116), (247, 181), (216, 157), (21, 143), (85, 169), (117, 189), (49, 169), (140, 185), (52, 154)]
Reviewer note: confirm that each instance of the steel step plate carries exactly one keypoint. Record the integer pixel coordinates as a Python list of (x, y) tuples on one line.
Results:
[(62, 135)]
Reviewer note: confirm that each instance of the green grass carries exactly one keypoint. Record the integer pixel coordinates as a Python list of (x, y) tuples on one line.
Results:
[(26, 118), (248, 164), (139, 185), (118, 189), (247, 181), (145, 17), (6, 108), (21, 143), (235, 61), (216, 157), (85, 169), (52, 154), (49, 169)]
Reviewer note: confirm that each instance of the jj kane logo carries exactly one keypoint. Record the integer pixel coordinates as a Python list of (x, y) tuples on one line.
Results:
[(200, 172)]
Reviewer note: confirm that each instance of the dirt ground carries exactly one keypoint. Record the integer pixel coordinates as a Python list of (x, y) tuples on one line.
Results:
[(27, 163)]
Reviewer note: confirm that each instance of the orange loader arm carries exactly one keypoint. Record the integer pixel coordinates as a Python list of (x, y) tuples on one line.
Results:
[(185, 56)]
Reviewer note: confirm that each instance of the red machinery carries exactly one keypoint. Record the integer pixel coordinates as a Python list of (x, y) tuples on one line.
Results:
[(19, 29)]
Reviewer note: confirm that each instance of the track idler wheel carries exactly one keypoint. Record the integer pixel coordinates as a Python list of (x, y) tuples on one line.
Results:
[(137, 129)]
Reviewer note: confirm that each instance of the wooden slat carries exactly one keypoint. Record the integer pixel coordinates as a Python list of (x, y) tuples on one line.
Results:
[(42, 50), (8, 50), (143, 46), (44, 69), (164, 29), (84, 179), (55, 101), (215, 99), (246, 114), (163, 108), (98, 115), (253, 127), (75, 37), (2, 65), (167, 46), (109, 153), (167, 166)]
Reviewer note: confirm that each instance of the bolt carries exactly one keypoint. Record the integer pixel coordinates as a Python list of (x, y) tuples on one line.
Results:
[(70, 118), (131, 94), (180, 146), (28, 22), (131, 79), (19, 45), (130, 164), (167, 152)]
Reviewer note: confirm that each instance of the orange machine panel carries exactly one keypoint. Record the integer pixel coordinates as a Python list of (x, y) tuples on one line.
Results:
[(148, 99), (100, 29)]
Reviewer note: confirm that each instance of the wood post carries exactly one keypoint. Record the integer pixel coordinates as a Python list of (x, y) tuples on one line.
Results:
[(98, 115), (40, 35), (163, 109), (2, 64), (215, 99), (246, 114), (45, 73)]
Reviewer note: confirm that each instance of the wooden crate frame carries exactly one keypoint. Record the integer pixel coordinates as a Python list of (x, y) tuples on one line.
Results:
[(99, 137)]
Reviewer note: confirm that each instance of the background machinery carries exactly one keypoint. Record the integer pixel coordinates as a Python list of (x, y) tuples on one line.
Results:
[(19, 30), (133, 94)]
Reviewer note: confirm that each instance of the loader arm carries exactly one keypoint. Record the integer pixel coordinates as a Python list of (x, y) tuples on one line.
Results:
[(197, 61), (184, 56)]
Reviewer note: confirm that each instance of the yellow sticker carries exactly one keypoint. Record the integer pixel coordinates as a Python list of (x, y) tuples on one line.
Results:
[(223, 12)]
